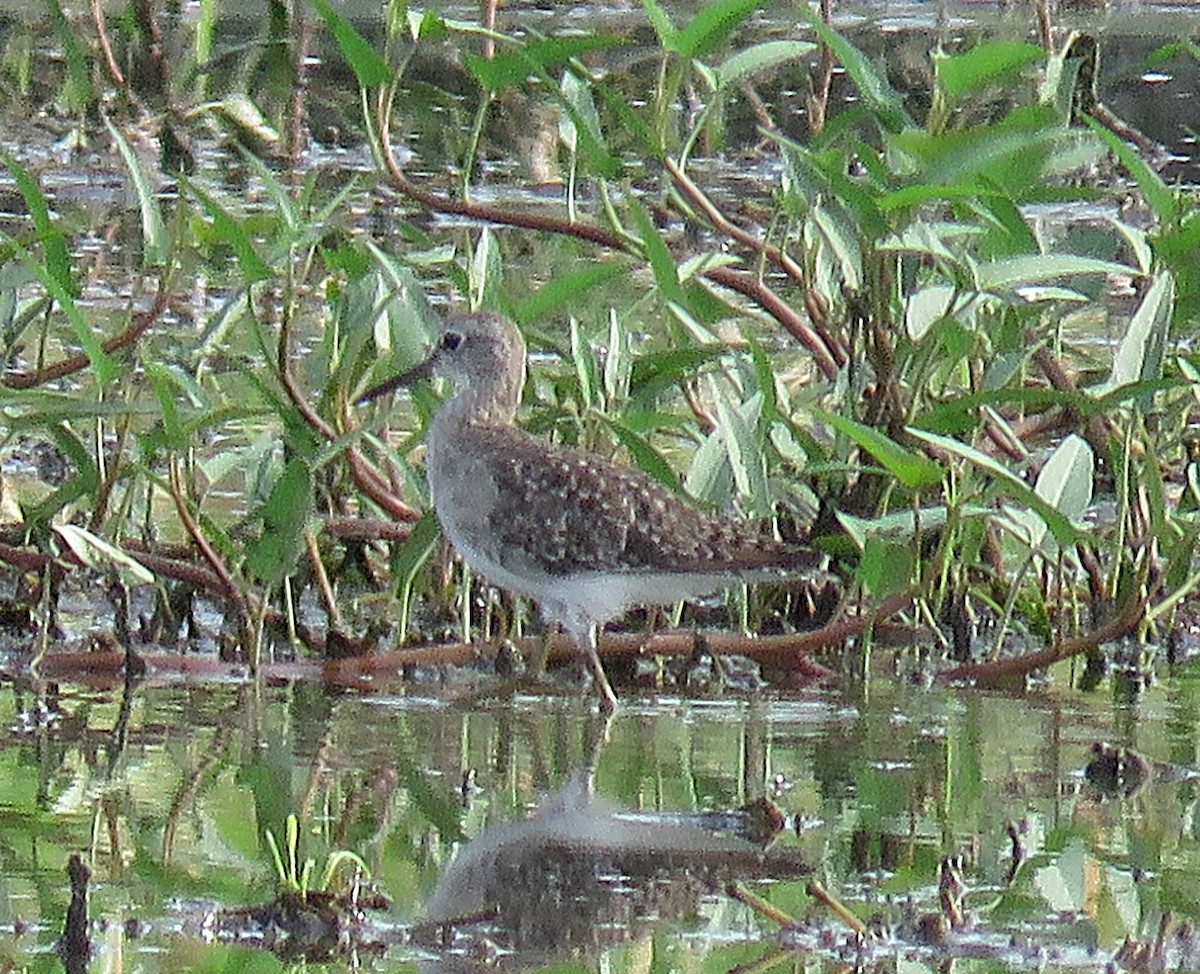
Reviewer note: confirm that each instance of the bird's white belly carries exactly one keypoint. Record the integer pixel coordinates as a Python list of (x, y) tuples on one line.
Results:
[(598, 596)]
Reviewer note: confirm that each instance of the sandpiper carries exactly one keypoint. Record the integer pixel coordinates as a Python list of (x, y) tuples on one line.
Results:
[(585, 538)]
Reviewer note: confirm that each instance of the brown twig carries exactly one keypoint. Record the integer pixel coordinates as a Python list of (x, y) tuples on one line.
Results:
[(836, 907), (366, 529), (365, 474), (1095, 429), (818, 101), (1132, 613), (736, 891), (701, 201), (781, 311), (322, 577), (110, 60)]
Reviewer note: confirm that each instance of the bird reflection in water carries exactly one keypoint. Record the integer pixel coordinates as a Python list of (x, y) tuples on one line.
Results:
[(582, 875)]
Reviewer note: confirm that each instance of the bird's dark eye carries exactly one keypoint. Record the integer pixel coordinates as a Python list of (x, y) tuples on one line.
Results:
[(451, 340)]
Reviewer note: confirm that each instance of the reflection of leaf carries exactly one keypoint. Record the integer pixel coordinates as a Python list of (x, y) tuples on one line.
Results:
[(1065, 884), (443, 814)]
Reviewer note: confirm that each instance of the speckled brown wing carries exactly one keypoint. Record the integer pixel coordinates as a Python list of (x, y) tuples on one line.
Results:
[(570, 512)]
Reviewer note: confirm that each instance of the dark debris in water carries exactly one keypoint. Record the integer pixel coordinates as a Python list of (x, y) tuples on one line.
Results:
[(316, 927), (75, 945)]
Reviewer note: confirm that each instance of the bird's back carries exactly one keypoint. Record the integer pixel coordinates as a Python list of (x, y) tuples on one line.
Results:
[(563, 512)]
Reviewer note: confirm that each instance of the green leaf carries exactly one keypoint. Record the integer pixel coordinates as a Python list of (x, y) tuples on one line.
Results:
[(753, 60), (881, 98), (415, 551), (666, 274), (1066, 478), (585, 366), (708, 28), (85, 480), (105, 368), (487, 271), (988, 62), (543, 56), (708, 476), (661, 23), (233, 232), (579, 126), (155, 245), (274, 554), (95, 552), (1064, 531), (1064, 484), (842, 239), (564, 289), (654, 371), (368, 67), (281, 196), (737, 425), (924, 308), (821, 174), (644, 455), (885, 566), (240, 109), (631, 122), (764, 377), (1009, 272), (165, 390), (1159, 195), (912, 469), (1140, 354), (78, 92), (903, 525), (54, 243)]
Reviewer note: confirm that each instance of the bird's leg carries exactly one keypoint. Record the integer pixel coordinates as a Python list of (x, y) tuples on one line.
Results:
[(536, 664), (608, 698), (582, 629)]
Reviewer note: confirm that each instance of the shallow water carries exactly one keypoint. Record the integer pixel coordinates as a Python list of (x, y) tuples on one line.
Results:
[(168, 790)]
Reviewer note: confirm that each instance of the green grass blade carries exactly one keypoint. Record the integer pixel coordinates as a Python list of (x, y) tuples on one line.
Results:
[(712, 25), (155, 246), (54, 242), (369, 68), (911, 469), (233, 232)]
